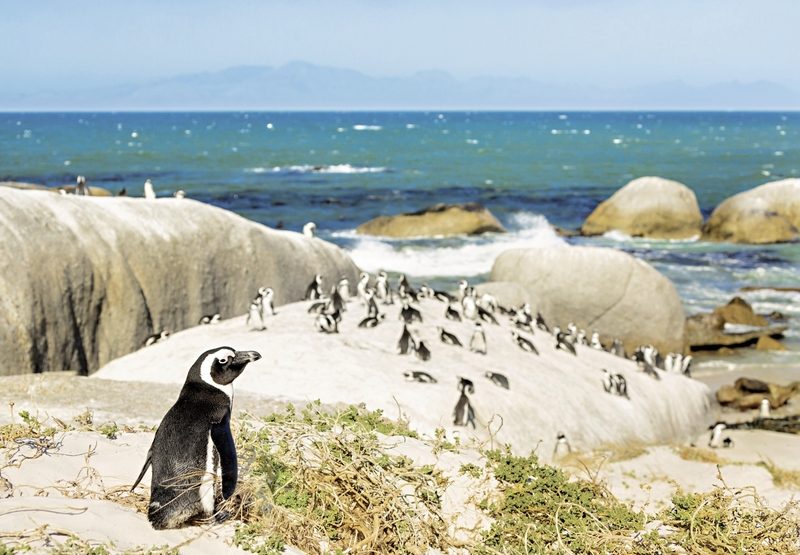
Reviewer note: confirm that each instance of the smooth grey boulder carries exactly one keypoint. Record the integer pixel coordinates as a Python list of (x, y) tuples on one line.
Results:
[(85, 280), (598, 289), (651, 207), (769, 213)]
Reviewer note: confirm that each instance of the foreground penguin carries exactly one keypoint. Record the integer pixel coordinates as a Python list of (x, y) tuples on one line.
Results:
[(524, 344), (193, 440)]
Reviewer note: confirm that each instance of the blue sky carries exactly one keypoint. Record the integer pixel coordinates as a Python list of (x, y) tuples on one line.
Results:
[(609, 43)]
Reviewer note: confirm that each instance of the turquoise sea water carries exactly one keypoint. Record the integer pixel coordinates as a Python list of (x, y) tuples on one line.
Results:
[(340, 169)]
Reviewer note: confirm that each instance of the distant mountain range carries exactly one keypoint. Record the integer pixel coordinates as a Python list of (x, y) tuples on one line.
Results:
[(303, 86)]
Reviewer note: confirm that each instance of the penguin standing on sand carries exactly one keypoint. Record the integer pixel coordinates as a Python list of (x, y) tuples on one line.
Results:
[(609, 384), (468, 306), (647, 368), (716, 434), (421, 350), (540, 323), (255, 314), (343, 288), (621, 385), (406, 343), (523, 343), (328, 323), (194, 442), (595, 342), (267, 299), (409, 314), (564, 344), (477, 343), (562, 448), (336, 303), (763, 408), (372, 306), (382, 289), (452, 314), (463, 413), (361, 287), (314, 289), (617, 348), (81, 188)]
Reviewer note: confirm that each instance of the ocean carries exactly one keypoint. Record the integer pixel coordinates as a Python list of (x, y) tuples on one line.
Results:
[(531, 169)]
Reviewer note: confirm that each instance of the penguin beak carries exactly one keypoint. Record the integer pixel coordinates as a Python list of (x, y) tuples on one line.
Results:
[(241, 358)]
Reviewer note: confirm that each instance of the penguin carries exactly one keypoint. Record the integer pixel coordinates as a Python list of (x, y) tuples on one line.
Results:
[(572, 333), (497, 379), (469, 307), (318, 306), (595, 342), (486, 316), (477, 343), (421, 350), (488, 303), (463, 413), (448, 338), (406, 343), (540, 323), (425, 292), (327, 323), (209, 319), (563, 343), (310, 230), (123, 192), (581, 338), (361, 288), (343, 288), (254, 313), (648, 369), (314, 289), (408, 313), (465, 384), (763, 408), (727, 443), (372, 306), (337, 302), (417, 376), (149, 192), (180, 194), (267, 296), (618, 349), (621, 385), (463, 289), (371, 321), (81, 188), (443, 296), (562, 448), (156, 337), (404, 287), (523, 319), (194, 441), (716, 434), (382, 290), (686, 366), (523, 343), (452, 314), (609, 380)]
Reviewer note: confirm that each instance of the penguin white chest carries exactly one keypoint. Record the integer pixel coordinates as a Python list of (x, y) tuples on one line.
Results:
[(207, 482)]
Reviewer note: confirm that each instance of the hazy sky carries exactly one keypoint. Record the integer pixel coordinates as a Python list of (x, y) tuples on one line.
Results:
[(56, 44)]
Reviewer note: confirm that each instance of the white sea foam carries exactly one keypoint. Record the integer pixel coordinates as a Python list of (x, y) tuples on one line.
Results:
[(306, 168), (362, 127), (469, 256)]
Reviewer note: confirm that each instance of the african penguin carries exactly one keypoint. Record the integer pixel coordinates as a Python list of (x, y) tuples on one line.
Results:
[(477, 343), (618, 349), (406, 343), (727, 443), (149, 192), (81, 188), (540, 323), (562, 448), (194, 441), (371, 321), (564, 344), (487, 302), (469, 307), (404, 287), (523, 343), (156, 337), (180, 193), (337, 301), (417, 376), (465, 384), (382, 289), (463, 287), (343, 288), (486, 316), (595, 341), (310, 230), (608, 381), (267, 298), (763, 408), (497, 379), (372, 306), (314, 289), (327, 323), (622, 385), (452, 314), (448, 338), (421, 350), (408, 313), (209, 319), (716, 434), (255, 316), (361, 287), (463, 413)]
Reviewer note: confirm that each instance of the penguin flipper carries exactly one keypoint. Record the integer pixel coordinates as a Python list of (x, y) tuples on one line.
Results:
[(223, 440), (147, 463)]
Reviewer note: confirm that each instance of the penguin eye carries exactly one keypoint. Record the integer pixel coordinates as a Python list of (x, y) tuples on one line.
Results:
[(223, 360)]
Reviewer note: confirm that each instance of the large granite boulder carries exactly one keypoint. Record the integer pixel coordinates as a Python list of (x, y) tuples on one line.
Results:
[(767, 214), (598, 289), (648, 207), (732, 325), (85, 280), (437, 220)]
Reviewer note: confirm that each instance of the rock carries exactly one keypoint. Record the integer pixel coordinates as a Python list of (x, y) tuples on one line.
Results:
[(727, 394), (26, 186), (751, 385), (779, 395), (507, 293), (93, 191), (437, 220), (767, 214), (738, 311), (648, 207), (85, 280), (766, 343), (751, 401), (597, 288)]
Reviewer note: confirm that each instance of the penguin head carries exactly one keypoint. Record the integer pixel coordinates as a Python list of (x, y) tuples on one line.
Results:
[(219, 367)]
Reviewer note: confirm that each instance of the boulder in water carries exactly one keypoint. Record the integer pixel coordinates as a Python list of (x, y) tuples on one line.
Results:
[(648, 207), (767, 214), (437, 220), (597, 288)]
